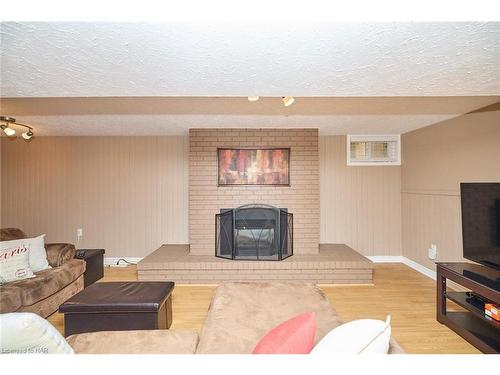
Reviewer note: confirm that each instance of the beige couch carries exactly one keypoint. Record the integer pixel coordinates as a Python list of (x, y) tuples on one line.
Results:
[(44, 293), (239, 315)]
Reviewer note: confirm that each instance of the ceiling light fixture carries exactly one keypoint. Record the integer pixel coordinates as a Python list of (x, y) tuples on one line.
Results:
[(27, 135), (8, 131), (253, 98), (288, 100)]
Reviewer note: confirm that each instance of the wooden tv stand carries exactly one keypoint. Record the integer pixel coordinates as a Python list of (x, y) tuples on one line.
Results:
[(473, 325)]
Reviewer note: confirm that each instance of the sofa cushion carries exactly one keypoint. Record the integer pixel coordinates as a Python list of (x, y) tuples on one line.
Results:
[(48, 282), (241, 313), (295, 336), (364, 336), (29, 333), (10, 298), (38, 255), (36, 250), (14, 262), (160, 341)]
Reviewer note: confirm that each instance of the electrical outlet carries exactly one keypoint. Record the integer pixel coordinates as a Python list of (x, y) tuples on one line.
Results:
[(432, 251), (79, 232)]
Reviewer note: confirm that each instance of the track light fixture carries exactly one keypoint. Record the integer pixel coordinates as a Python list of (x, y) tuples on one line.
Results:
[(27, 135), (9, 131), (288, 100)]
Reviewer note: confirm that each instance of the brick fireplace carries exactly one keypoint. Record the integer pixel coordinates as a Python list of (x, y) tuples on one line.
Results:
[(206, 199), (196, 263)]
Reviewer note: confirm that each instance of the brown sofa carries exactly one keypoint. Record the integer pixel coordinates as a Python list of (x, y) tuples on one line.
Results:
[(51, 287), (239, 315)]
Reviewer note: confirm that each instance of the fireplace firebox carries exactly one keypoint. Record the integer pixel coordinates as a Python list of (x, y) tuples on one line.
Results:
[(254, 232)]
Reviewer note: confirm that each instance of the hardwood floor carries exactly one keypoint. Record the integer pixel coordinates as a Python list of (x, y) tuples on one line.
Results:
[(408, 296)]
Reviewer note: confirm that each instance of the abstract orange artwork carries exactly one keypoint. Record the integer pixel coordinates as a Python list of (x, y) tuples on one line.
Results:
[(253, 166)]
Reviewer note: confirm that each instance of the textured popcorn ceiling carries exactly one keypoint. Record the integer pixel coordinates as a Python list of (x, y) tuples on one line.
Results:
[(181, 59), (162, 79)]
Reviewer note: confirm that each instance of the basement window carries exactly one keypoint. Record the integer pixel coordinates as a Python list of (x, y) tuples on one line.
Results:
[(373, 150)]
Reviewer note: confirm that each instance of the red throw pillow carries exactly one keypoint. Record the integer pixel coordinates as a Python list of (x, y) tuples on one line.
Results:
[(295, 336)]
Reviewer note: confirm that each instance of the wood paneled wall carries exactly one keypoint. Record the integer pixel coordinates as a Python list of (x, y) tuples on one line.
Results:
[(128, 194), (435, 160), (360, 206)]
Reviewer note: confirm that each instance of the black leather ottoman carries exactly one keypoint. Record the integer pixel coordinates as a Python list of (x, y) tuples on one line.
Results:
[(119, 306)]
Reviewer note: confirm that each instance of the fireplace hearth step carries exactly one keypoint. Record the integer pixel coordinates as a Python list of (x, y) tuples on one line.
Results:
[(334, 264)]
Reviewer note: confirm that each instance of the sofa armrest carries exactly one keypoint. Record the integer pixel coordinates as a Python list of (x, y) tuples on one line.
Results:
[(157, 341), (59, 253)]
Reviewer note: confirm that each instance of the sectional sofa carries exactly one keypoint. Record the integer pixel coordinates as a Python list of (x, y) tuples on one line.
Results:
[(239, 315), (44, 293)]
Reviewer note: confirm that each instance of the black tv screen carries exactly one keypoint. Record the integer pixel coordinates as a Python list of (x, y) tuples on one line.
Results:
[(481, 222)]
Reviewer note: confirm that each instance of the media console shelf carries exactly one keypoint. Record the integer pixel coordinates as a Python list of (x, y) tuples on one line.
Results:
[(473, 325)]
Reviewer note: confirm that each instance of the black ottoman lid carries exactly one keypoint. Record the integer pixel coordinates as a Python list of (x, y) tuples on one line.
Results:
[(133, 296)]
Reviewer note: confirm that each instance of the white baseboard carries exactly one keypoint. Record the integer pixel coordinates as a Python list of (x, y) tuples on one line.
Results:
[(113, 261), (386, 258), (401, 259), (418, 267)]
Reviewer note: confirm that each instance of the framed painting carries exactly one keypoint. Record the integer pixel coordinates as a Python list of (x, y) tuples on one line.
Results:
[(244, 166)]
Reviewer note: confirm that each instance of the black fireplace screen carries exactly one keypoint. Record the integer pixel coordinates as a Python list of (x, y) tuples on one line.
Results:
[(254, 232)]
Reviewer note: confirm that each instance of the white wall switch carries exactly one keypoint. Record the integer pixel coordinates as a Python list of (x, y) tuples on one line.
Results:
[(433, 252), (79, 232)]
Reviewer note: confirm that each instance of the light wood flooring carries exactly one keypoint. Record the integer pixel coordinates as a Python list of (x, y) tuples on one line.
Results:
[(408, 296)]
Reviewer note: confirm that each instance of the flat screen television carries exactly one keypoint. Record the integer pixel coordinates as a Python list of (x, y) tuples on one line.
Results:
[(481, 222)]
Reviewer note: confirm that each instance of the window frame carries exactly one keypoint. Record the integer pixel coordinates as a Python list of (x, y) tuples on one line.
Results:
[(374, 138)]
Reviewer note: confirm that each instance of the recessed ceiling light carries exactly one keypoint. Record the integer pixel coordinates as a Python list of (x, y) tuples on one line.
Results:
[(288, 100), (253, 98)]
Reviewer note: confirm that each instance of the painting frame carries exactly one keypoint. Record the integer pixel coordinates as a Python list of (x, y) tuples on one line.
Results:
[(287, 150)]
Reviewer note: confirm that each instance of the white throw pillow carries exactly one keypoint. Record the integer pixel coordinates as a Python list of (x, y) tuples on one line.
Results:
[(14, 264), (28, 333), (37, 254), (365, 336)]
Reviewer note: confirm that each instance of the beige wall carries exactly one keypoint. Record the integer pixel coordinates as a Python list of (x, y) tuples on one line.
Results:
[(435, 160), (128, 194), (360, 206), (206, 198)]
